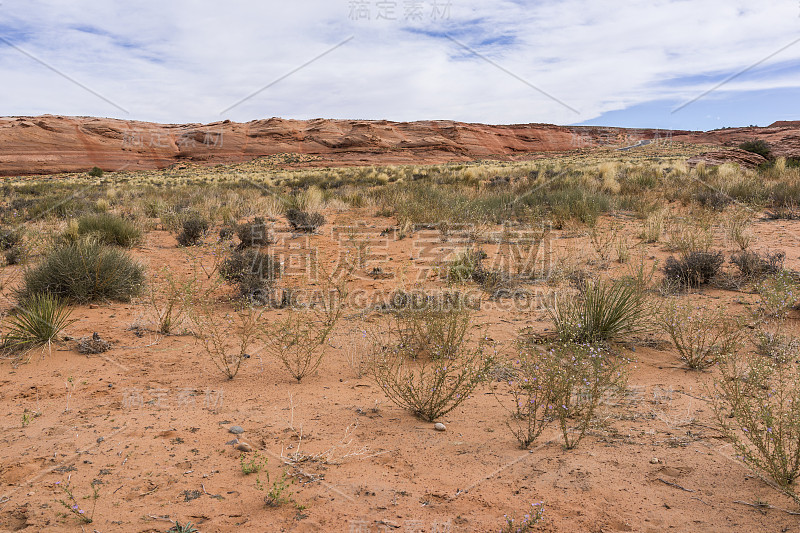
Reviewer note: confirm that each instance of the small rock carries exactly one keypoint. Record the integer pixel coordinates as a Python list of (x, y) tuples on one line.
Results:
[(654, 461), (438, 426), (100, 439), (232, 442), (243, 447), (236, 430)]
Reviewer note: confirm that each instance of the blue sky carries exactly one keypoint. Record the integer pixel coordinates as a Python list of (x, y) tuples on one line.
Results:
[(635, 63)]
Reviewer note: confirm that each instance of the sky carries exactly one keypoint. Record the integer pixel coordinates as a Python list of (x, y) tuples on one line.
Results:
[(677, 64)]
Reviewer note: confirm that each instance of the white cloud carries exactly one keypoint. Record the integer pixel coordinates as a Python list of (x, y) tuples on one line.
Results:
[(186, 61)]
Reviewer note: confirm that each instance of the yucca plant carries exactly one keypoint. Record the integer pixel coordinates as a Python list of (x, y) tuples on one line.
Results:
[(603, 311), (39, 320)]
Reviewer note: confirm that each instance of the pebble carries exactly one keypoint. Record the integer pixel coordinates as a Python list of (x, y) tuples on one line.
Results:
[(654, 461), (438, 426), (243, 447), (236, 430), (232, 442), (100, 439)]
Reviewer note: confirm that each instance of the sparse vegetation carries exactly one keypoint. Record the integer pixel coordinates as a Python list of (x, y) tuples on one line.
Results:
[(427, 327), (431, 385), (253, 272), (526, 523), (256, 233)]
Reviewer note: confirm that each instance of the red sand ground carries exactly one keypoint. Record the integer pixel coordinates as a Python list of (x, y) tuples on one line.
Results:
[(148, 422)]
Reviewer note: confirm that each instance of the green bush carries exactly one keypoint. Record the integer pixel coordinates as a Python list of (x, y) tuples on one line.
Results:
[(109, 229), (84, 271), (37, 322), (96, 172), (757, 146)]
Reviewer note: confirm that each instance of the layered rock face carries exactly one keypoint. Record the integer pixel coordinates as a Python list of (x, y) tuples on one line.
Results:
[(53, 144)]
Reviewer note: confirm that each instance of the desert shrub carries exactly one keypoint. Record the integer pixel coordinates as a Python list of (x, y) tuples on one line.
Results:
[(712, 198), (781, 348), (255, 233), (701, 335), (227, 232), (36, 323), (777, 294), (464, 265), (531, 382), (757, 406), (109, 229), (85, 271), (753, 265), (298, 339), (736, 227), (171, 298), (603, 311), (12, 247), (225, 341), (582, 375), (96, 172), (432, 386), (304, 221), (253, 272), (572, 203), (693, 268), (785, 194), (757, 146), (15, 255), (193, 229), (10, 238), (468, 266), (435, 327)]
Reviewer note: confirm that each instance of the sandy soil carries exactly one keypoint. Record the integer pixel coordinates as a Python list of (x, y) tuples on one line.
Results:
[(148, 421)]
